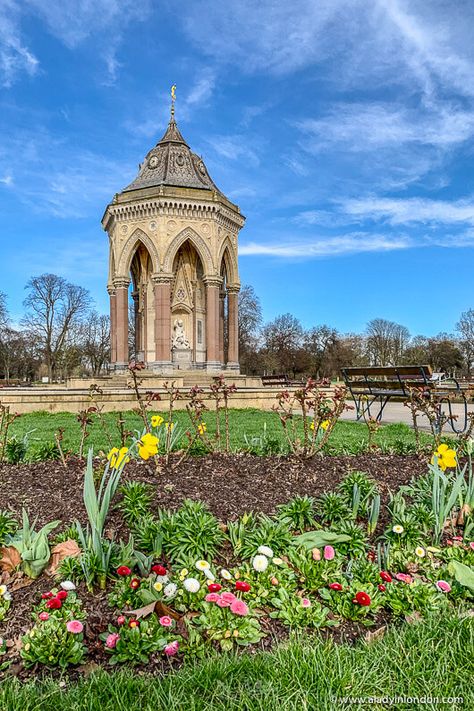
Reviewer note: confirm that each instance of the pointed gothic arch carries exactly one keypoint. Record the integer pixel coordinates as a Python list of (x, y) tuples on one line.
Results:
[(188, 234), (130, 248)]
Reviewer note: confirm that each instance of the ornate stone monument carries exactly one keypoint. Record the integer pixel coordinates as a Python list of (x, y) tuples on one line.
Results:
[(173, 254)]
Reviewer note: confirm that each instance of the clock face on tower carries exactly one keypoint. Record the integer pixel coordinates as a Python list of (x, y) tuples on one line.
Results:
[(153, 162)]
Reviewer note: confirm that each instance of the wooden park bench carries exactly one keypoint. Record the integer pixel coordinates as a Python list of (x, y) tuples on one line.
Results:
[(376, 386), (277, 380)]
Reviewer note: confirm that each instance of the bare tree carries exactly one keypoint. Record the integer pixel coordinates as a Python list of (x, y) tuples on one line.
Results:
[(465, 328), (250, 321), (4, 318), (54, 306), (95, 341), (283, 340), (386, 341), (318, 342)]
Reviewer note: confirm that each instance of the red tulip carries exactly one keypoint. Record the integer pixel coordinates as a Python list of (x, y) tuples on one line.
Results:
[(214, 587), (362, 599), (54, 604), (123, 570), (242, 586), (158, 569)]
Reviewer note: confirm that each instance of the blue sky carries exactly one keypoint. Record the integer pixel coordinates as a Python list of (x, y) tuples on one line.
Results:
[(344, 129)]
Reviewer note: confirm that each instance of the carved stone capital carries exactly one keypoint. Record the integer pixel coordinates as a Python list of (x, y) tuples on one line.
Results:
[(111, 289), (161, 278), (213, 280), (122, 282), (233, 288)]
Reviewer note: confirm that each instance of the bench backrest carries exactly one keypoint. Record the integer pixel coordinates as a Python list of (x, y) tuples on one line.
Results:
[(392, 378)]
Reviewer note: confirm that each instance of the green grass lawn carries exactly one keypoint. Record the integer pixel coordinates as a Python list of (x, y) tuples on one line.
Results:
[(432, 658), (347, 438)]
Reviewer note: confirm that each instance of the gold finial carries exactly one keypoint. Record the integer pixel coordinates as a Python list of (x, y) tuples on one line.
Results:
[(173, 98)]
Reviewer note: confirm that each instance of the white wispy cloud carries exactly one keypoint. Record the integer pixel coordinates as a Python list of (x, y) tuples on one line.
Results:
[(397, 211), (15, 57), (202, 90), (327, 246)]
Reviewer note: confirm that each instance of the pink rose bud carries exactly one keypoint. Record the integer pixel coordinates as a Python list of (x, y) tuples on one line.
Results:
[(171, 649), (112, 639), (329, 553)]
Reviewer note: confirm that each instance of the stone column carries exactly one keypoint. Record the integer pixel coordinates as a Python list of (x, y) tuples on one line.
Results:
[(121, 302), (213, 285), (221, 327), (162, 293), (113, 326), (233, 326), (136, 316)]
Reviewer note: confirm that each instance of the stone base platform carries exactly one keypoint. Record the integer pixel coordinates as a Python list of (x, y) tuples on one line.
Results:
[(117, 396)]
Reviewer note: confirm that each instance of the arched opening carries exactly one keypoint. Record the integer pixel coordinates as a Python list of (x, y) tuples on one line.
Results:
[(188, 309), (141, 337)]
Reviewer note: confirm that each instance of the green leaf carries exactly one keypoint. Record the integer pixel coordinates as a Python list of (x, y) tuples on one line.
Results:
[(319, 539), (463, 574)]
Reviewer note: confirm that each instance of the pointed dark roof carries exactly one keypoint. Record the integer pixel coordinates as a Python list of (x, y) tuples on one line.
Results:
[(171, 162)]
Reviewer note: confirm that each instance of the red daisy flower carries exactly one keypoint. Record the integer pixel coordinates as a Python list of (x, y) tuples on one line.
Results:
[(242, 586), (159, 569), (335, 586), (386, 577), (363, 599), (123, 570)]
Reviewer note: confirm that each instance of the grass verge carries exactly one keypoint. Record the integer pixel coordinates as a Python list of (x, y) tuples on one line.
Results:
[(427, 660)]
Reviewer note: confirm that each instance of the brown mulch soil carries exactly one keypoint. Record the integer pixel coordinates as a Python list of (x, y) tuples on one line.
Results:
[(229, 484)]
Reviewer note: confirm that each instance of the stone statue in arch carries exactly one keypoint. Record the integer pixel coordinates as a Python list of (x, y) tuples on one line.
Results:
[(179, 335)]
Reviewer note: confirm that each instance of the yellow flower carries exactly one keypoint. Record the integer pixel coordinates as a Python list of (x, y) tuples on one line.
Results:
[(148, 446), (3, 589), (227, 634), (325, 424), (236, 633), (156, 420), (311, 427), (169, 426), (158, 587), (202, 428), (27, 647), (116, 456), (445, 457)]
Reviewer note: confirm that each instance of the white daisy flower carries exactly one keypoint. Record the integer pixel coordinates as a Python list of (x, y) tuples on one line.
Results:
[(7, 596), (209, 574), (266, 551), (226, 574), (163, 579), (397, 528), (202, 565), (170, 590), (191, 585), (158, 586), (68, 585), (420, 552), (3, 589), (260, 563), (277, 561)]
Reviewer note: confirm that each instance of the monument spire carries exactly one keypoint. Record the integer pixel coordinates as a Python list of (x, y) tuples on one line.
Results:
[(173, 99)]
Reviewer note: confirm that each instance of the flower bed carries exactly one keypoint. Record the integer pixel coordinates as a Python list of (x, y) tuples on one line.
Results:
[(148, 584)]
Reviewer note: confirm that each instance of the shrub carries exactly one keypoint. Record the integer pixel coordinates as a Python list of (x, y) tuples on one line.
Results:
[(298, 513), (190, 533), (249, 532), (137, 498), (8, 525)]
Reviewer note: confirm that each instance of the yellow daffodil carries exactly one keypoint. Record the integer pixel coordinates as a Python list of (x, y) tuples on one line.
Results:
[(158, 586), (117, 456), (169, 426), (148, 446), (420, 552), (323, 425), (3, 589), (397, 528), (202, 428), (445, 457), (156, 420)]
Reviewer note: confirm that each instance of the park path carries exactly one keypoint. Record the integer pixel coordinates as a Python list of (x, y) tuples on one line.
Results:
[(396, 412)]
